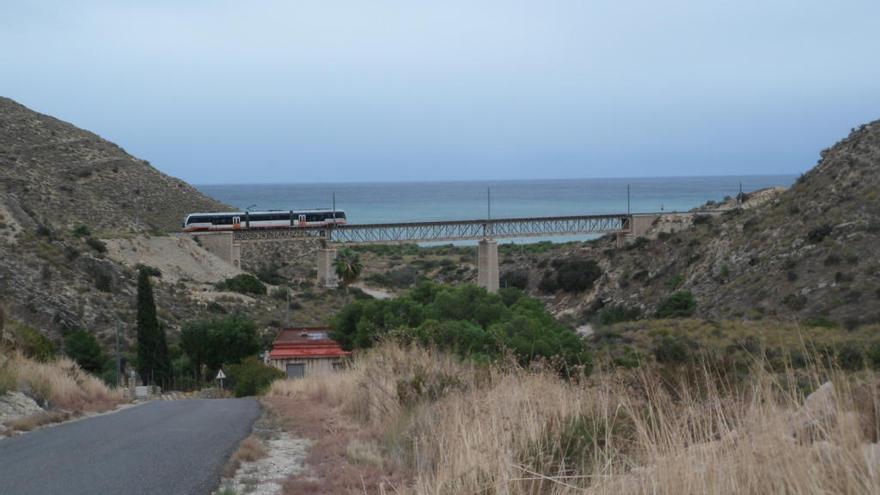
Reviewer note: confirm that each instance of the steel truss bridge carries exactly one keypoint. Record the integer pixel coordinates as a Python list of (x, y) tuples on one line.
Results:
[(456, 230)]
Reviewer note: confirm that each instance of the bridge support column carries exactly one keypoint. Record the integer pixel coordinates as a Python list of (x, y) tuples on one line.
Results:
[(487, 265), (326, 269)]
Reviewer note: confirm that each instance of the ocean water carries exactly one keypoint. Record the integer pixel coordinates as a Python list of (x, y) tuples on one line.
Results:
[(421, 201)]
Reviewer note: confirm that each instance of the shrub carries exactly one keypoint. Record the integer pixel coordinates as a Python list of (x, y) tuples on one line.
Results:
[(617, 314), (34, 344), (818, 234), (832, 260), (571, 275), (151, 271), (268, 273), (678, 305), (638, 243), (873, 355), (96, 244), (464, 319), (850, 357), (7, 379), (702, 219), (279, 293), (795, 302), (83, 347), (244, 283), (252, 377), (671, 349), (675, 282), (81, 231), (518, 279)]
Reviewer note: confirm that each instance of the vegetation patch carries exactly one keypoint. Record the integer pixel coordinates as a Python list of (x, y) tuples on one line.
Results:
[(466, 320), (244, 283)]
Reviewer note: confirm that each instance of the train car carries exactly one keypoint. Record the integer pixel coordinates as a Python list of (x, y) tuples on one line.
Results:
[(272, 219)]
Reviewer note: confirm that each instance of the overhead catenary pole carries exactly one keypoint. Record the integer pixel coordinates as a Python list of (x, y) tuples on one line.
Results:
[(488, 203), (627, 200)]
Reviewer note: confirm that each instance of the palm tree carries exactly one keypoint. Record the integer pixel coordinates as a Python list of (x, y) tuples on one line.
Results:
[(348, 266)]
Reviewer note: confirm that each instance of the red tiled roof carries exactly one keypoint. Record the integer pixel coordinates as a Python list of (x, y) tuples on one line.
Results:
[(311, 342)]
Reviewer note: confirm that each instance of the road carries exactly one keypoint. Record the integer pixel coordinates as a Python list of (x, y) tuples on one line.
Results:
[(162, 447)]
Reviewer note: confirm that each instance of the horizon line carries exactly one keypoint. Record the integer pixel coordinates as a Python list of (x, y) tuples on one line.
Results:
[(441, 181)]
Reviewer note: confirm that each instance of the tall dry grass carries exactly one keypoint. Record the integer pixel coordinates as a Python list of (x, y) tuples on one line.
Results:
[(61, 384), (454, 427)]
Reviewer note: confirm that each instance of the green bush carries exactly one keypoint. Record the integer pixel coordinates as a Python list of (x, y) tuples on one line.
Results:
[(269, 274), (8, 381), (873, 355), (244, 283), (518, 279), (83, 347), (617, 314), (671, 349), (850, 357), (34, 344), (678, 305), (252, 377), (466, 320), (570, 275), (81, 231)]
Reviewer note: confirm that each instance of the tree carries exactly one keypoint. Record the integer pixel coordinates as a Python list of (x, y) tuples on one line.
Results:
[(348, 266), (153, 363), (219, 342), (83, 347), (466, 320)]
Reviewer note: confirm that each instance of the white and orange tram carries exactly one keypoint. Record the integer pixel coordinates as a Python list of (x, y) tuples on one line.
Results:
[(271, 219)]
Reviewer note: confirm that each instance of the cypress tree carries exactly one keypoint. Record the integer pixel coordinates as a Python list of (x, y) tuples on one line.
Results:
[(148, 340)]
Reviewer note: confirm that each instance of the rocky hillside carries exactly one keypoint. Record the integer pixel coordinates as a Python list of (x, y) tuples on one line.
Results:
[(77, 214), (55, 174), (809, 254)]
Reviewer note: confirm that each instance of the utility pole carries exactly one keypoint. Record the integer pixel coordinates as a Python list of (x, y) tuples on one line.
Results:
[(739, 197), (627, 199), (334, 208), (488, 203), (118, 358)]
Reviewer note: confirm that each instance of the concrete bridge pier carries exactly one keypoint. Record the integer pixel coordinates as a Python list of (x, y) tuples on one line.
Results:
[(487, 265), (326, 269)]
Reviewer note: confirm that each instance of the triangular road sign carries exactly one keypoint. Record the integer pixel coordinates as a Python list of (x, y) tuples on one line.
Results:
[(220, 375)]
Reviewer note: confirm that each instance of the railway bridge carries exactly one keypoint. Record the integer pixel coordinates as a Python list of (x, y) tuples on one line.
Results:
[(227, 245)]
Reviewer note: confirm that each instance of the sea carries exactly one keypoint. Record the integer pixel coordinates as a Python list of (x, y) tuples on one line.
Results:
[(389, 202)]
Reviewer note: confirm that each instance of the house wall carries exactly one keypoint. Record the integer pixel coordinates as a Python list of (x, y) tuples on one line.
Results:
[(313, 366)]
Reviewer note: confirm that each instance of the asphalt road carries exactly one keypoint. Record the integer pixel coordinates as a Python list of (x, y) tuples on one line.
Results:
[(163, 447)]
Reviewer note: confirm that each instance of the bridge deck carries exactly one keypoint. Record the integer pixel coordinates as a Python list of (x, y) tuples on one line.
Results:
[(454, 230)]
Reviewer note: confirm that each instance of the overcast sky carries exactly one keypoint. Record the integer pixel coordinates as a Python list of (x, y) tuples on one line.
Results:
[(373, 90)]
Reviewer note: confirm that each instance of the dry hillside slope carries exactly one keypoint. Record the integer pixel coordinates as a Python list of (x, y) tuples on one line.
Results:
[(810, 254), (54, 173)]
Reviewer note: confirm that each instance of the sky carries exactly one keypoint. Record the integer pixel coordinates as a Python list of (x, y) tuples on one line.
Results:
[(382, 90)]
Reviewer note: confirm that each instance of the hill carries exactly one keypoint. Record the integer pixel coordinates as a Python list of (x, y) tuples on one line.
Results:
[(55, 174), (77, 214), (808, 254)]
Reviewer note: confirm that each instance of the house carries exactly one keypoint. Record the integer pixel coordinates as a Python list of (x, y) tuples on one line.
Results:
[(306, 351)]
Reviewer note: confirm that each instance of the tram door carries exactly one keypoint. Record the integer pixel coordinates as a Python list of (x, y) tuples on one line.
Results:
[(236, 222), (302, 220)]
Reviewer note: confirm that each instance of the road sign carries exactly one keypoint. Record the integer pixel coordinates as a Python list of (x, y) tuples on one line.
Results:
[(220, 377)]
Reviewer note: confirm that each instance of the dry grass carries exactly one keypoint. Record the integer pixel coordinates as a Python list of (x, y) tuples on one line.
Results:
[(37, 420), (251, 449), (451, 427), (61, 384)]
